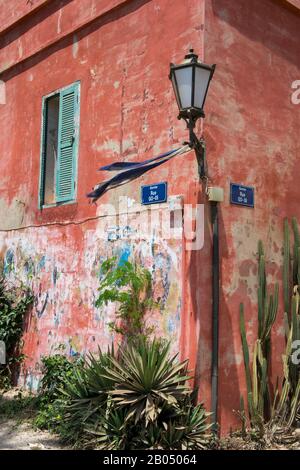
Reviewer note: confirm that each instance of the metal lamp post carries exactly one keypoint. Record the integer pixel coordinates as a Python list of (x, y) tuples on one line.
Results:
[(191, 80)]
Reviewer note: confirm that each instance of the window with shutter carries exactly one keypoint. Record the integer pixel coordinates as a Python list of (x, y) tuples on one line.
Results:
[(60, 133)]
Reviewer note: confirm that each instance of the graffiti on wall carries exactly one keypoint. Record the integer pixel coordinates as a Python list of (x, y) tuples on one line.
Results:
[(63, 267)]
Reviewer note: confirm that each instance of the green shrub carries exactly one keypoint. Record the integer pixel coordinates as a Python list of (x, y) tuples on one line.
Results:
[(137, 399), (84, 397), (147, 381), (14, 303), (57, 371)]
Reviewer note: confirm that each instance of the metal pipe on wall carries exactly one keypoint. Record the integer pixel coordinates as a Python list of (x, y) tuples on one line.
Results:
[(215, 313)]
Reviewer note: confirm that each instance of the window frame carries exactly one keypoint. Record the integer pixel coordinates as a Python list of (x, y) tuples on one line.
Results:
[(42, 166)]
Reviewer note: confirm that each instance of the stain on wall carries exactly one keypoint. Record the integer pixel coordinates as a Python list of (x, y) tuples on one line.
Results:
[(120, 52), (65, 280)]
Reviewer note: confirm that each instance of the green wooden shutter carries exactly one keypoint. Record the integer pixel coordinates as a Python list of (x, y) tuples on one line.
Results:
[(43, 154), (67, 144)]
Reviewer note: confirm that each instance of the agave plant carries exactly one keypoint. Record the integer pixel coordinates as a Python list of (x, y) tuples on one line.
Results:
[(187, 431), (111, 432), (147, 380), (87, 392), (137, 399)]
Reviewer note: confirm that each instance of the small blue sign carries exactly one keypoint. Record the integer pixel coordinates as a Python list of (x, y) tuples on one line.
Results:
[(241, 195), (154, 193)]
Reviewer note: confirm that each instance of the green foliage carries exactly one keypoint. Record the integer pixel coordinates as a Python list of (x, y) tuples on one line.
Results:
[(111, 432), (286, 267), (188, 431), (19, 406), (258, 395), (85, 396), (128, 285), (287, 398), (57, 371), (14, 303), (147, 380), (138, 399), (246, 363)]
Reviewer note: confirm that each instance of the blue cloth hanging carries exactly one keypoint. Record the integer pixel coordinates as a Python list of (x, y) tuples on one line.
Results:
[(132, 171)]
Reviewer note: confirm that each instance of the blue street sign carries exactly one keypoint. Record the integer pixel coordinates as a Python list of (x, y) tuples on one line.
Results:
[(241, 195), (154, 193)]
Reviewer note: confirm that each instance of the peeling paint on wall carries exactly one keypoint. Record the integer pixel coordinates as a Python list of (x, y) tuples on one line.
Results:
[(75, 46), (65, 282), (120, 51), (12, 215)]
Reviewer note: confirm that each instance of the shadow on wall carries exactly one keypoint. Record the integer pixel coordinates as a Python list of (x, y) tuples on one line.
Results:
[(253, 20), (94, 25), (200, 284), (31, 21)]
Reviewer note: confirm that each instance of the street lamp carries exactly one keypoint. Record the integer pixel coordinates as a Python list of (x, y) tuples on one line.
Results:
[(190, 81)]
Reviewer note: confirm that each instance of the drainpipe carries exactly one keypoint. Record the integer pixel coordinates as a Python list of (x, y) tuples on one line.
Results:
[(215, 195), (215, 314)]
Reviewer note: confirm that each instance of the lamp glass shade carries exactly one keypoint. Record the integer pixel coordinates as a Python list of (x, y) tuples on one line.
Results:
[(190, 81), (173, 78), (184, 80), (202, 79)]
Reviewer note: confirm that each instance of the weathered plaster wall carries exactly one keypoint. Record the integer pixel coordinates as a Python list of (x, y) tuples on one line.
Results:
[(294, 3), (120, 51), (12, 12), (252, 130), (62, 265), (48, 25)]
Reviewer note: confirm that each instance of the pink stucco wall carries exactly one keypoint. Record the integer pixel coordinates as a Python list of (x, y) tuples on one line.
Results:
[(120, 51)]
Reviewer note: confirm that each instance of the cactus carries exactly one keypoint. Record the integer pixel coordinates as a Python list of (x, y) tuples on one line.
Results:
[(286, 267), (258, 387), (294, 324), (296, 259), (284, 406), (246, 361)]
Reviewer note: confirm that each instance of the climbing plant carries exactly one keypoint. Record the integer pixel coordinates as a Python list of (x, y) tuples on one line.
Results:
[(129, 285)]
